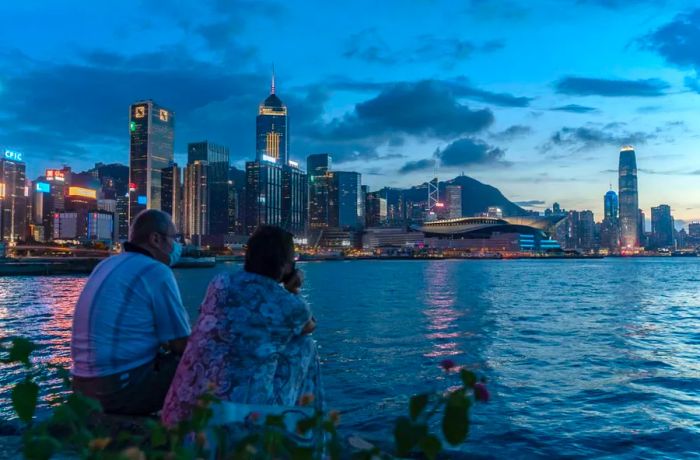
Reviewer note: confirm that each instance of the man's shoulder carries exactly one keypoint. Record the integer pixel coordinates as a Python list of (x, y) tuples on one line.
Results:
[(133, 264)]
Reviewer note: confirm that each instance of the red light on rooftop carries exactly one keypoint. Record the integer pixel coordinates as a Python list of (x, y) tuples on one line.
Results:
[(132, 187)]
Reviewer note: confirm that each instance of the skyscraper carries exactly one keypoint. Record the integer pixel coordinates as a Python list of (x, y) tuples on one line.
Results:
[(217, 158), (196, 200), (14, 222), (263, 194), (662, 226), (294, 199), (276, 189), (346, 205), (152, 131), (611, 205), (318, 167), (453, 201), (629, 199), (610, 227), (271, 129)]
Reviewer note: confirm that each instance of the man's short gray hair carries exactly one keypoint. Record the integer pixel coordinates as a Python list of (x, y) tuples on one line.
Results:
[(147, 222)]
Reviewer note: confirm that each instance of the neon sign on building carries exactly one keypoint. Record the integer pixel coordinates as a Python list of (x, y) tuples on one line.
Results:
[(82, 192), (12, 155)]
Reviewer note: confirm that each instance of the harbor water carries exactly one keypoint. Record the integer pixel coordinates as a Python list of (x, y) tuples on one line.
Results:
[(584, 358)]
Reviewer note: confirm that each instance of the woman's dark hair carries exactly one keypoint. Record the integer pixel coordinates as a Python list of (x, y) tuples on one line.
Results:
[(268, 250)]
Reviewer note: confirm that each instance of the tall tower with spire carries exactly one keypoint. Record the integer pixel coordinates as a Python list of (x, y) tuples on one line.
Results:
[(272, 141), (629, 199)]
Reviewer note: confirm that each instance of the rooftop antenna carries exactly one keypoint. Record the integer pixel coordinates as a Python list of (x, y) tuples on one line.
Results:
[(272, 85)]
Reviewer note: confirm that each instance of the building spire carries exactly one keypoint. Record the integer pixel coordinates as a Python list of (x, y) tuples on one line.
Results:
[(272, 85)]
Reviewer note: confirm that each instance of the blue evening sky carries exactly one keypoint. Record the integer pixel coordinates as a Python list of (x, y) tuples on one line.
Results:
[(534, 97)]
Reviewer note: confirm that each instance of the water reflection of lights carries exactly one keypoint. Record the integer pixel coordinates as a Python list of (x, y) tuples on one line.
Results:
[(40, 309), (439, 303)]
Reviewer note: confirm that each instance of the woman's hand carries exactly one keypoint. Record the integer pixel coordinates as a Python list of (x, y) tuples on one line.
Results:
[(310, 326), (293, 284)]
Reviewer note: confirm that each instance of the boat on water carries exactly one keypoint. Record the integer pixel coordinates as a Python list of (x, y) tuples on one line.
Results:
[(684, 254), (48, 266)]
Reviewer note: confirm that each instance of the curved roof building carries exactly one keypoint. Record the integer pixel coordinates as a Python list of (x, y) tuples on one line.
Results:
[(484, 227)]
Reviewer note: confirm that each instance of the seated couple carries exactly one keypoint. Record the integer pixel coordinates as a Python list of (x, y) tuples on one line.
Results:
[(132, 348)]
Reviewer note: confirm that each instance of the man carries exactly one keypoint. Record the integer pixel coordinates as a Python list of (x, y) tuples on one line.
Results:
[(129, 309)]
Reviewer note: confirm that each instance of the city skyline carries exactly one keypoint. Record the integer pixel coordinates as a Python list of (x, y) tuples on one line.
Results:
[(542, 133)]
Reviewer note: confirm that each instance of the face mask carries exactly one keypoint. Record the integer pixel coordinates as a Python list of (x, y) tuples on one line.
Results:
[(175, 253)]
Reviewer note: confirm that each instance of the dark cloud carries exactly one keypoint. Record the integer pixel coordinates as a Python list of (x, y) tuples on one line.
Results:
[(575, 108), (424, 109), (581, 86), (419, 165), (587, 137), (620, 4), (468, 152), (530, 203), (459, 87), (677, 41), (512, 132), (369, 46)]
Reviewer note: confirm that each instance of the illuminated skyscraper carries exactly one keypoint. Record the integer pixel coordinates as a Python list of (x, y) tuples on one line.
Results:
[(662, 226), (14, 222), (152, 131), (346, 205), (272, 141), (196, 200), (453, 201), (610, 227), (318, 167), (263, 194), (629, 199), (611, 205), (217, 158), (276, 190)]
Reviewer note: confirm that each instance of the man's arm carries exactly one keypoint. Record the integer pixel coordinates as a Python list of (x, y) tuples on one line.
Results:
[(171, 320)]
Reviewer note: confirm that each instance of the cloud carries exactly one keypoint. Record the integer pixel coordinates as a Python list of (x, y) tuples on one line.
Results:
[(424, 109), (369, 46), (591, 136), (530, 203), (418, 165), (574, 108), (581, 86), (678, 40), (512, 132), (620, 4), (459, 87), (469, 151)]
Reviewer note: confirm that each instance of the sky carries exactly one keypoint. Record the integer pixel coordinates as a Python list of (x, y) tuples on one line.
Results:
[(533, 97)]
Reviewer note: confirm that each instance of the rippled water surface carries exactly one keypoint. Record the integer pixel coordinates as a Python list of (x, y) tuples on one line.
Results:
[(584, 358)]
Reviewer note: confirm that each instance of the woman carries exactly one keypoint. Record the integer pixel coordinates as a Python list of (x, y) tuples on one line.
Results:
[(251, 343)]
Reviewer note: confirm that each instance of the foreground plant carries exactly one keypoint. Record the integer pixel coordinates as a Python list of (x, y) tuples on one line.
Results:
[(77, 426)]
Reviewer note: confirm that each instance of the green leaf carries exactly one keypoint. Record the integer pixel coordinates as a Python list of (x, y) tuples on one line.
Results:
[(39, 447), (403, 436), (159, 435), (468, 378), (431, 446), (20, 351), (82, 405), (24, 397), (417, 404), (455, 423)]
